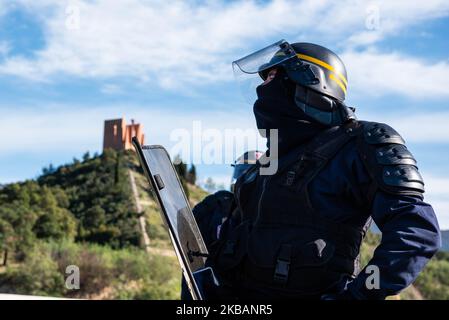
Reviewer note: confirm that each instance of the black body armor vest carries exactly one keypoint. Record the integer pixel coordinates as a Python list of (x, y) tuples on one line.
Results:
[(286, 248)]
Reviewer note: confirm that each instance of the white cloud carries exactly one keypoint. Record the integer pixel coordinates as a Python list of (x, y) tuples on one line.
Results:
[(180, 42), (429, 127), (437, 194), (174, 42), (384, 18), (441, 208), (49, 129), (78, 128), (374, 73)]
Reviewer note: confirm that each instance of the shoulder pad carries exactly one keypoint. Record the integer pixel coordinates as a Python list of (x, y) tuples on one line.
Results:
[(404, 176), (394, 154), (380, 133), (388, 161)]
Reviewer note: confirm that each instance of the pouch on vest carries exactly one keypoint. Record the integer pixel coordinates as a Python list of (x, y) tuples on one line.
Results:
[(278, 258), (232, 248)]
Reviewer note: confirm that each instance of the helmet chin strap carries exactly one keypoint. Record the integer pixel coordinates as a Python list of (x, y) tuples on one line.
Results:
[(323, 109)]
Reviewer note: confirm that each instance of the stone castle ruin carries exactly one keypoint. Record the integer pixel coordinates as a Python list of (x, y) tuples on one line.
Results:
[(118, 134)]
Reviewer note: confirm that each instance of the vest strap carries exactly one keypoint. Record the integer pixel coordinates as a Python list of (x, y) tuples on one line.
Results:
[(283, 264)]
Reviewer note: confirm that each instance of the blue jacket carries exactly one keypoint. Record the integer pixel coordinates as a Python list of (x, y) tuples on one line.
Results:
[(343, 192), (410, 231)]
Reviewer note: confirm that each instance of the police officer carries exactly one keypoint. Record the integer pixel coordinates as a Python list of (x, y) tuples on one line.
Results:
[(299, 231), (243, 164), (215, 208)]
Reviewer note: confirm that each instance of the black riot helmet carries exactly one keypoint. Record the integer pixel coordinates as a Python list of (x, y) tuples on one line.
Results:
[(319, 74), (243, 164)]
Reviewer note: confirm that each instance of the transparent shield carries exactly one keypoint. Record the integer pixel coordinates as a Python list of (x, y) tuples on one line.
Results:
[(175, 205), (175, 210)]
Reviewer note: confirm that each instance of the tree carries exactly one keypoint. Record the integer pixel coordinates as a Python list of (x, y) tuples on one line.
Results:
[(86, 156), (16, 228), (185, 188), (48, 170), (180, 167), (191, 175), (54, 222), (6, 239), (117, 170)]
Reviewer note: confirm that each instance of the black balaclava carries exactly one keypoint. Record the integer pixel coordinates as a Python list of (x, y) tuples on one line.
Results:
[(275, 108)]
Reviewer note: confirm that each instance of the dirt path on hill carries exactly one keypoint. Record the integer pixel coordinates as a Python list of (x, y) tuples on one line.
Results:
[(142, 221)]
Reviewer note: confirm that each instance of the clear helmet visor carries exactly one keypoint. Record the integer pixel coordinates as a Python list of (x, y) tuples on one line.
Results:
[(247, 69), (264, 59)]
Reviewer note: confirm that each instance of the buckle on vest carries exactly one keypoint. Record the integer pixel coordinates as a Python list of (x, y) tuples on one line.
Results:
[(297, 169), (290, 178), (283, 264)]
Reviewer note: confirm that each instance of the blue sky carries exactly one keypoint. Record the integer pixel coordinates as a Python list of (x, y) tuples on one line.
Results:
[(65, 66)]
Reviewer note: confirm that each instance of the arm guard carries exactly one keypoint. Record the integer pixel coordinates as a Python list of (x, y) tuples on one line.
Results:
[(390, 164)]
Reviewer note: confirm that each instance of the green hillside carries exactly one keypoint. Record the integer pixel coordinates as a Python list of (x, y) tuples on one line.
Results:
[(445, 240), (84, 214)]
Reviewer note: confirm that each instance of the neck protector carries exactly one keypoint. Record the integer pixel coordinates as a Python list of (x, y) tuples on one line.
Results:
[(321, 108), (275, 108)]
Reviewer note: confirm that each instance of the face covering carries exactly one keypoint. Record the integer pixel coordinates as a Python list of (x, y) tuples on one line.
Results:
[(275, 108)]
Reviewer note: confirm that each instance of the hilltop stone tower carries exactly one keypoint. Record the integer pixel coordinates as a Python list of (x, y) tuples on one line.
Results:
[(118, 135)]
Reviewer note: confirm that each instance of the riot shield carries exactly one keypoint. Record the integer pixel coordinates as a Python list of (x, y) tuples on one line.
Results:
[(176, 213)]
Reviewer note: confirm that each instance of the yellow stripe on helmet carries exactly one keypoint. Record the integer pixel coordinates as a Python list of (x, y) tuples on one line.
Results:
[(324, 65), (340, 84)]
